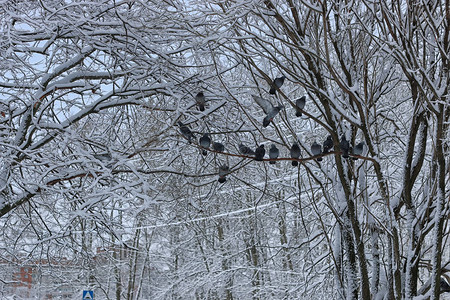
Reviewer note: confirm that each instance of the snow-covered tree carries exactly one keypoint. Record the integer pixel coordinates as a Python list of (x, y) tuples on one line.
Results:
[(96, 167)]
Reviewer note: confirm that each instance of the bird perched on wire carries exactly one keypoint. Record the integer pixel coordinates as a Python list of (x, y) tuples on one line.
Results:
[(223, 171), (200, 100), (316, 149), (245, 150), (299, 106), (186, 132), (276, 84), (295, 153), (273, 153), (259, 153), (204, 142), (270, 110)]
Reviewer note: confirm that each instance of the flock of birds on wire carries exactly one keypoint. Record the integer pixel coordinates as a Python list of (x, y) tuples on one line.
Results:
[(271, 111)]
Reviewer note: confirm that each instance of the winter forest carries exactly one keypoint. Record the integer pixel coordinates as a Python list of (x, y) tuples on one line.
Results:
[(261, 149)]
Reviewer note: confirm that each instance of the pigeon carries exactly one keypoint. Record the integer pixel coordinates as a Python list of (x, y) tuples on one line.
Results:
[(186, 132), (299, 105), (270, 110), (259, 153), (104, 157), (223, 171), (316, 149), (445, 287), (246, 150), (204, 142), (328, 144), (200, 100), (276, 84), (358, 149), (219, 147), (273, 153), (295, 153), (345, 146)]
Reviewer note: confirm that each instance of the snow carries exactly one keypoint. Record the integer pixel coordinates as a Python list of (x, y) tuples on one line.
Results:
[(84, 79)]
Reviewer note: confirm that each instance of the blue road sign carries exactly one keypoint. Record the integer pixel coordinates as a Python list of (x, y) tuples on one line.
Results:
[(88, 295)]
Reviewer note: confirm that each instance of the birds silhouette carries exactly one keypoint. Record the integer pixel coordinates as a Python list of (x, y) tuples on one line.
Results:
[(345, 146), (328, 144), (270, 110), (245, 150), (223, 172), (219, 147), (200, 100), (259, 153), (186, 132), (295, 153), (276, 84), (316, 149), (299, 106), (204, 142), (273, 153)]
